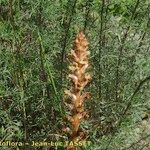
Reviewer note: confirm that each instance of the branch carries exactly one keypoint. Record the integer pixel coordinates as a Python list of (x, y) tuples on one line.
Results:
[(120, 49), (126, 109), (100, 48), (66, 23), (134, 93)]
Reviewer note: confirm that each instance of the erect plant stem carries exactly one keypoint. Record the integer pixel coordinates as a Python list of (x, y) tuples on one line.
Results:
[(100, 49), (17, 59), (88, 6), (66, 26), (120, 54), (76, 96)]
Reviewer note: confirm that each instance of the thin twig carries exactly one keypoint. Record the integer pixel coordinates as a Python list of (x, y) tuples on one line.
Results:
[(126, 109), (66, 23), (100, 49), (87, 19), (120, 50)]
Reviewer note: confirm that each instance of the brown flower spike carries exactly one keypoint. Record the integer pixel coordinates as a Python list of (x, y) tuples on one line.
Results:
[(76, 96)]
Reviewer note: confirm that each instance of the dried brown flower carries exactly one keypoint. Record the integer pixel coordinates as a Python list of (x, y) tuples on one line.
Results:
[(78, 67)]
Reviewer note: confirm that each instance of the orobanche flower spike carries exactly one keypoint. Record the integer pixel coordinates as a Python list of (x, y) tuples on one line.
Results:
[(76, 96)]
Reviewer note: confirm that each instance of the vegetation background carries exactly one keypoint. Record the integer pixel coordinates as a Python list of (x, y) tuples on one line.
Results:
[(35, 38)]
